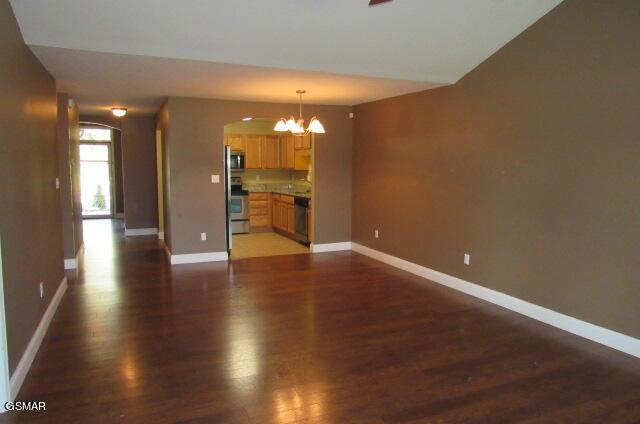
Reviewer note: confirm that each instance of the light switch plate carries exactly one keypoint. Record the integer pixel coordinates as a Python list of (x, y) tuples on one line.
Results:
[(467, 259), (215, 179), (57, 183)]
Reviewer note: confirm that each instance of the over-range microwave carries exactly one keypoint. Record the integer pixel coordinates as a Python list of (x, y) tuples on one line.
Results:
[(237, 161)]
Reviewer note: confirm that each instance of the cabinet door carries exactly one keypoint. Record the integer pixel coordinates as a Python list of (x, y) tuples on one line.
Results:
[(287, 152), (291, 219), (302, 143), (253, 152), (236, 142), (270, 152), (275, 214), (284, 217), (302, 160)]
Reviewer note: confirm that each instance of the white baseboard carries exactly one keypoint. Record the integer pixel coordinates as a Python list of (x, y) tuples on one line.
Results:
[(140, 231), (73, 262), (160, 235), (581, 328), (18, 376), (330, 247), (193, 258)]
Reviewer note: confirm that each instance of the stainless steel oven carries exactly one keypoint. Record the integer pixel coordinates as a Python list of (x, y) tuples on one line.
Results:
[(239, 207)]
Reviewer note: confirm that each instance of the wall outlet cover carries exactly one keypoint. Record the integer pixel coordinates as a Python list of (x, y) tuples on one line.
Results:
[(203, 236), (215, 179)]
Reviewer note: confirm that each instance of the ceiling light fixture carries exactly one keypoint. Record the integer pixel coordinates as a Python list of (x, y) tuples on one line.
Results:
[(247, 118), (119, 112), (297, 127)]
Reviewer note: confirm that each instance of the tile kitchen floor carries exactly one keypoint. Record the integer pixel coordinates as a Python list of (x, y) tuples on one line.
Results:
[(264, 244)]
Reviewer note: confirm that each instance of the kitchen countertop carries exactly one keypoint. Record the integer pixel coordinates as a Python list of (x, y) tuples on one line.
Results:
[(303, 195)]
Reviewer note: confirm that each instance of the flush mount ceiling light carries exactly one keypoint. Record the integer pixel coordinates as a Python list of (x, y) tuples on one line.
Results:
[(297, 127), (119, 112), (248, 118)]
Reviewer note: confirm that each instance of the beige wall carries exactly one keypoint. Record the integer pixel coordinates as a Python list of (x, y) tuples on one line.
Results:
[(529, 163), (195, 151), (138, 147), (254, 126), (68, 165), (139, 172), (29, 202)]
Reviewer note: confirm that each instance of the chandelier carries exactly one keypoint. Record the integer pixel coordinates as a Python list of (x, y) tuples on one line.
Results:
[(296, 127)]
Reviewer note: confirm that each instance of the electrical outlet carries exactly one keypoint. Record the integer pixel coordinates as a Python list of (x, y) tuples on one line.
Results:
[(41, 289), (467, 259), (375, 233), (203, 236), (215, 179)]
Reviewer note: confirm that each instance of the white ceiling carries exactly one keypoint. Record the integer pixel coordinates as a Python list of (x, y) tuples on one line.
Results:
[(138, 51)]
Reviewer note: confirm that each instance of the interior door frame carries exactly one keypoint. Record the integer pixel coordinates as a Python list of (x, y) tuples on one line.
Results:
[(112, 199)]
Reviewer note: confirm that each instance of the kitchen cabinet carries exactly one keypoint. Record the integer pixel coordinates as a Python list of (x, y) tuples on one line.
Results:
[(259, 211), (270, 151), (283, 215), (253, 151), (235, 141), (302, 160), (287, 152), (291, 219), (275, 211), (303, 142)]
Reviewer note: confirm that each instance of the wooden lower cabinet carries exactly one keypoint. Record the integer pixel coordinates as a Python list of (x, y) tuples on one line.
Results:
[(283, 215), (259, 212)]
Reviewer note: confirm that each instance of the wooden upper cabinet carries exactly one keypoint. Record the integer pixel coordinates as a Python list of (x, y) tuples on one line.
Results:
[(235, 141), (302, 143), (287, 152), (270, 152), (253, 151)]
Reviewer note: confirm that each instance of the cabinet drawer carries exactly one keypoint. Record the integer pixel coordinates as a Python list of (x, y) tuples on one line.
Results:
[(287, 199), (275, 196), (258, 211), (258, 196), (258, 204), (259, 221)]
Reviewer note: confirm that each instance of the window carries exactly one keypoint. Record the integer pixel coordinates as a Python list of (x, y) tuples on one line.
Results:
[(95, 134)]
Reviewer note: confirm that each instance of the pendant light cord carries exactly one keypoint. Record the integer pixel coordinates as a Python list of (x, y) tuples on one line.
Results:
[(300, 106)]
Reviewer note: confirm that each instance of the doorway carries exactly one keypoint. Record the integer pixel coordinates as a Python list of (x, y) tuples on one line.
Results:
[(269, 190), (96, 172)]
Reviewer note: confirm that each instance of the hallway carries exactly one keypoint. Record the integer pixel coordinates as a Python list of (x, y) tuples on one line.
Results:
[(320, 338)]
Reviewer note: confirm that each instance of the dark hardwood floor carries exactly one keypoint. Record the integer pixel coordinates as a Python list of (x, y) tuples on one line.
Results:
[(324, 338)]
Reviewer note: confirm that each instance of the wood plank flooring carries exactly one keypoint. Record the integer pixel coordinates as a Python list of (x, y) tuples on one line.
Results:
[(303, 339)]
